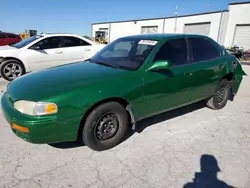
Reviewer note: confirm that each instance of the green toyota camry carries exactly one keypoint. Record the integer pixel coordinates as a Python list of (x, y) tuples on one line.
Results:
[(132, 78)]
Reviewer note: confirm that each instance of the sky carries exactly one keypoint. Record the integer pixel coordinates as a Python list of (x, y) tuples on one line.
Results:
[(77, 16)]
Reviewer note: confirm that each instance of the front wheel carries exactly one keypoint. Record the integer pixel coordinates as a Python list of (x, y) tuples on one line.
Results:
[(11, 69), (105, 126), (221, 96)]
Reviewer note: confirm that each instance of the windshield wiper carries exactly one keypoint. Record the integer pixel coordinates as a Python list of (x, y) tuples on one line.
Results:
[(104, 63)]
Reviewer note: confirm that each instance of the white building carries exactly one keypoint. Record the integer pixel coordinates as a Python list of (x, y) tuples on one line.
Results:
[(227, 27)]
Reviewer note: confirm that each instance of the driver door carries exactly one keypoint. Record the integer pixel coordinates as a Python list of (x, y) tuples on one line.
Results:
[(168, 88), (48, 54)]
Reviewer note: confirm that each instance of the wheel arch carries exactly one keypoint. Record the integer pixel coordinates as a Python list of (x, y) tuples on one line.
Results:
[(10, 58), (229, 76), (119, 100)]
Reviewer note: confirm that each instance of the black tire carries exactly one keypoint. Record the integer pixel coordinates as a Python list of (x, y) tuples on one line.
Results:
[(221, 96), (93, 132), (6, 65)]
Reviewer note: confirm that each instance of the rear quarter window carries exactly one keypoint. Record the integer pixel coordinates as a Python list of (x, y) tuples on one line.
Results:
[(203, 50)]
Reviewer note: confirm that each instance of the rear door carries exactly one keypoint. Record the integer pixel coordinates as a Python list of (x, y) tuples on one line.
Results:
[(75, 49), (207, 66)]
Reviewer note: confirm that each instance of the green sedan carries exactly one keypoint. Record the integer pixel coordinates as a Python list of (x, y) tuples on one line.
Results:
[(132, 78)]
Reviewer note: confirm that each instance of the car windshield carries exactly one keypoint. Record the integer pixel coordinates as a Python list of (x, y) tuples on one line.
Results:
[(26, 41), (125, 53)]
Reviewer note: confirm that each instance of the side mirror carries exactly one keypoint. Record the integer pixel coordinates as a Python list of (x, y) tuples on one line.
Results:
[(35, 47), (159, 65)]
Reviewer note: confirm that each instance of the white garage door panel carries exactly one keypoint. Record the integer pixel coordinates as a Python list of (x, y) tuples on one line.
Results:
[(242, 36), (149, 29), (200, 29)]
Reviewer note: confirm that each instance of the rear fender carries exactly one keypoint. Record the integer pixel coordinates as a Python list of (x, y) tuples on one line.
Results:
[(238, 76)]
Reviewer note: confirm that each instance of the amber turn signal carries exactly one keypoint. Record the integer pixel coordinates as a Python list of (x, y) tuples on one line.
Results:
[(20, 128)]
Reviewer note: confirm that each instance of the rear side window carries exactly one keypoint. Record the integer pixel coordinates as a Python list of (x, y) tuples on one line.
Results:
[(11, 36), (2, 35), (203, 49), (174, 50), (74, 41)]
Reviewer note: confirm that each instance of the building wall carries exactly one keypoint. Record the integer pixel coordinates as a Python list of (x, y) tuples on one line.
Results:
[(96, 27), (222, 24), (158, 23), (238, 14), (169, 25), (122, 29), (213, 18), (223, 28)]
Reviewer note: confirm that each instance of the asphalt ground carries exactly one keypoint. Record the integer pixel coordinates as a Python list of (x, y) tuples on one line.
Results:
[(187, 146)]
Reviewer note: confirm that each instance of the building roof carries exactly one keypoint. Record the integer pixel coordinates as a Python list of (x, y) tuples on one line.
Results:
[(238, 3), (158, 18)]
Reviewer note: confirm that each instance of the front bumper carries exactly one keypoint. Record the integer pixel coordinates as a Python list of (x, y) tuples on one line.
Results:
[(47, 129)]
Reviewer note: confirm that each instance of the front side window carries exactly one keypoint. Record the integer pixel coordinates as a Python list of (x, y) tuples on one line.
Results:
[(125, 53), (11, 36), (26, 41), (2, 35), (49, 43), (202, 49), (175, 51)]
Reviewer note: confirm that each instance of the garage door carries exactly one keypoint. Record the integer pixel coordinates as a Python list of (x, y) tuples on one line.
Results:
[(149, 29), (242, 36), (197, 28), (104, 29)]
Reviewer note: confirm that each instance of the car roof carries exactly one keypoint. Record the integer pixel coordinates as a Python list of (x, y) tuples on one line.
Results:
[(67, 34), (59, 34), (8, 33), (162, 36)]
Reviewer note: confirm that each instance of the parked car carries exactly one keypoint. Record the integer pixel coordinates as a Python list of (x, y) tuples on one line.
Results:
[(236, 51), (9, 38), (44, 51), (130, 79)]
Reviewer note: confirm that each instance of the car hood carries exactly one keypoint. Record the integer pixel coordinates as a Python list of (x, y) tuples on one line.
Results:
[(54, 81)]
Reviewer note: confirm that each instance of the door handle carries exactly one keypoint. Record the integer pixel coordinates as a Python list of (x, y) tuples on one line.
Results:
[(188, 74), (87, 49)]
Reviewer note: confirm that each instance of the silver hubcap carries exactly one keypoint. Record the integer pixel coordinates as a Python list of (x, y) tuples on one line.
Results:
[(12, 70)]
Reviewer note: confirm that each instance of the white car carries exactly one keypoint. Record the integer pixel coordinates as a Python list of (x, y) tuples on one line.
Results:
[(44, 51)]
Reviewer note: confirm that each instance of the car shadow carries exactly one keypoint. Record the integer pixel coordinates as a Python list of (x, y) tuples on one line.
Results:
[(207, 177), (141, 125)]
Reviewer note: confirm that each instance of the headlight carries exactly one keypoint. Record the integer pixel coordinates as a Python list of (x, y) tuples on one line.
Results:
[(36, 108)]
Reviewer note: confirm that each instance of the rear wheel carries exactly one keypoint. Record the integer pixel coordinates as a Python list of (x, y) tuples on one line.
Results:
[(105, 126), (221, 96), (11, 69)]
